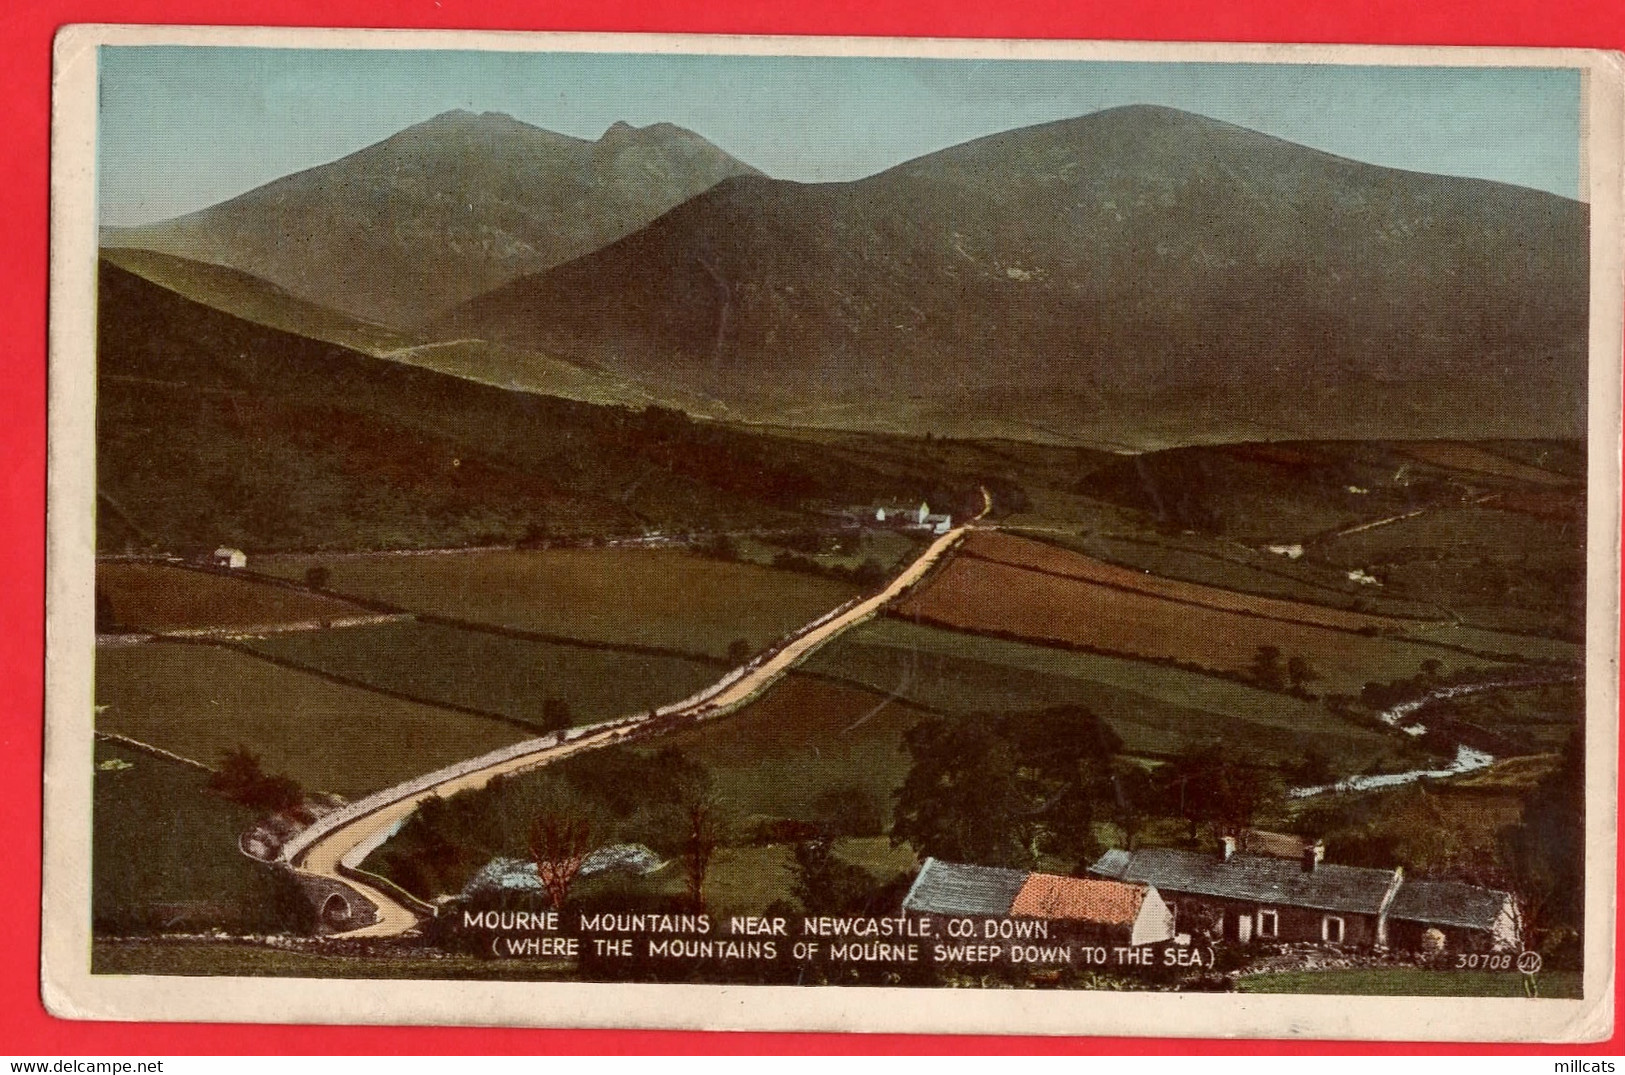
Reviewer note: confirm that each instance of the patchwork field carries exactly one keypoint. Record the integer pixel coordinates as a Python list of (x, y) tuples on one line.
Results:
[(162, 597), (1459, 455), (1229, 565), (1037, 556), (1155, 709), (1506, 570), (1307, 589), (495, 673), (979, 595), (164, 851), (660, 598), (201, 701)]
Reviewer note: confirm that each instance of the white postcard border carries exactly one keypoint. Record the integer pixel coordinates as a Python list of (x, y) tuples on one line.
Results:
[(71, 991)]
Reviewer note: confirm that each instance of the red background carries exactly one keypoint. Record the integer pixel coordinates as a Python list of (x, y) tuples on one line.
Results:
[(26, 29)]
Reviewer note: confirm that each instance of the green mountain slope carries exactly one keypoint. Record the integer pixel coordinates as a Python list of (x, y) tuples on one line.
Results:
[(247, 296), (212, 429)]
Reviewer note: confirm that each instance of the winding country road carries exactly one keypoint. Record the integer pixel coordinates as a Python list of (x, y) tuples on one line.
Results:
[(333, 848)]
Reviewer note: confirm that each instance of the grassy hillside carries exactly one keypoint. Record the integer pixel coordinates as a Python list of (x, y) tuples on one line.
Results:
[(251, 298), (494, 673), (247, 296), (1491, 534), (214, 430), (164, 854)]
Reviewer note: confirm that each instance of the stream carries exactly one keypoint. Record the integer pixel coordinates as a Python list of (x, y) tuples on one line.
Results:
[(1467, 759)]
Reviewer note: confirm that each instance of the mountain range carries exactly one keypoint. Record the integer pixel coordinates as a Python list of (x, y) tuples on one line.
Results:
[(1100, 277), (1137, 277), (443, 211)]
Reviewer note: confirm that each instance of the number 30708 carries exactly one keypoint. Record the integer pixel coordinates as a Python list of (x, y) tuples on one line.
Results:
[(1476, 961)]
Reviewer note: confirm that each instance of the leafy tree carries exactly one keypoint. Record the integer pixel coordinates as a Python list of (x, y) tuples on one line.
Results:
[(691, 819), (1314, 770), (868, 573), (1066, 756), (1133, 798), (720, 547), (241, 779), (738, 651), (849, 810), (1266, 668), (1545, 852), (824, 884), (963, 799), (317, 577), (1300, 673), (1205, 785), (1004, 791), (556, 714), (703, 836)]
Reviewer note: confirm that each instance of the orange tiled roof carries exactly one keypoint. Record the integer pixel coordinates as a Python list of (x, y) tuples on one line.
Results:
[(1079, 899)]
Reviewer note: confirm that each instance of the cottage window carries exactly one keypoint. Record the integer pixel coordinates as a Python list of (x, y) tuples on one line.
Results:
[(1269, 923), (1331, 929)]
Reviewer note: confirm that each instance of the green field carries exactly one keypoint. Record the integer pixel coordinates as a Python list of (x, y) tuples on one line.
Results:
[(810, 750), (492, 672), (1414, 982), (1156, 709), (1496, 569), (164, 851), (201, 701), (661, 598), (164, 597), (804, 740)]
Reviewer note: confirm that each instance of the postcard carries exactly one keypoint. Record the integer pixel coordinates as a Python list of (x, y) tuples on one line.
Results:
[(833, 534)]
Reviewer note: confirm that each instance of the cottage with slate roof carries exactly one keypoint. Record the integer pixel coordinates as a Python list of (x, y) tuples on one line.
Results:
[(955, 890), (1076, 908), (1266, 896), (1445, 915), (1241, 897)]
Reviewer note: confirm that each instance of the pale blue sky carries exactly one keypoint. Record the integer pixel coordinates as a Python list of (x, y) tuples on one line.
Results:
[(183, 128)]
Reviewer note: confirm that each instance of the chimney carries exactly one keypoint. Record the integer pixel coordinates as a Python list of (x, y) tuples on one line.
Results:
[(1229, 848), (1313, 854)]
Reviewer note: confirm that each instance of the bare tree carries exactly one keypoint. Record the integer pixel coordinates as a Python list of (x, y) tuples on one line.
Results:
[(559, 844), (702, 843)]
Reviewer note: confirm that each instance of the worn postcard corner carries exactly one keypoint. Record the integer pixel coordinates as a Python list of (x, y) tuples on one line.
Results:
[(795, 533)]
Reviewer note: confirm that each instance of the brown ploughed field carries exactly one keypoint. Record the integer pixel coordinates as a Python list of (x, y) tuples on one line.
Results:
[(1221, 634)]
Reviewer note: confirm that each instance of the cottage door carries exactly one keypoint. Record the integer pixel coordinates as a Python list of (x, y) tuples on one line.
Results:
[(1238, 927)]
